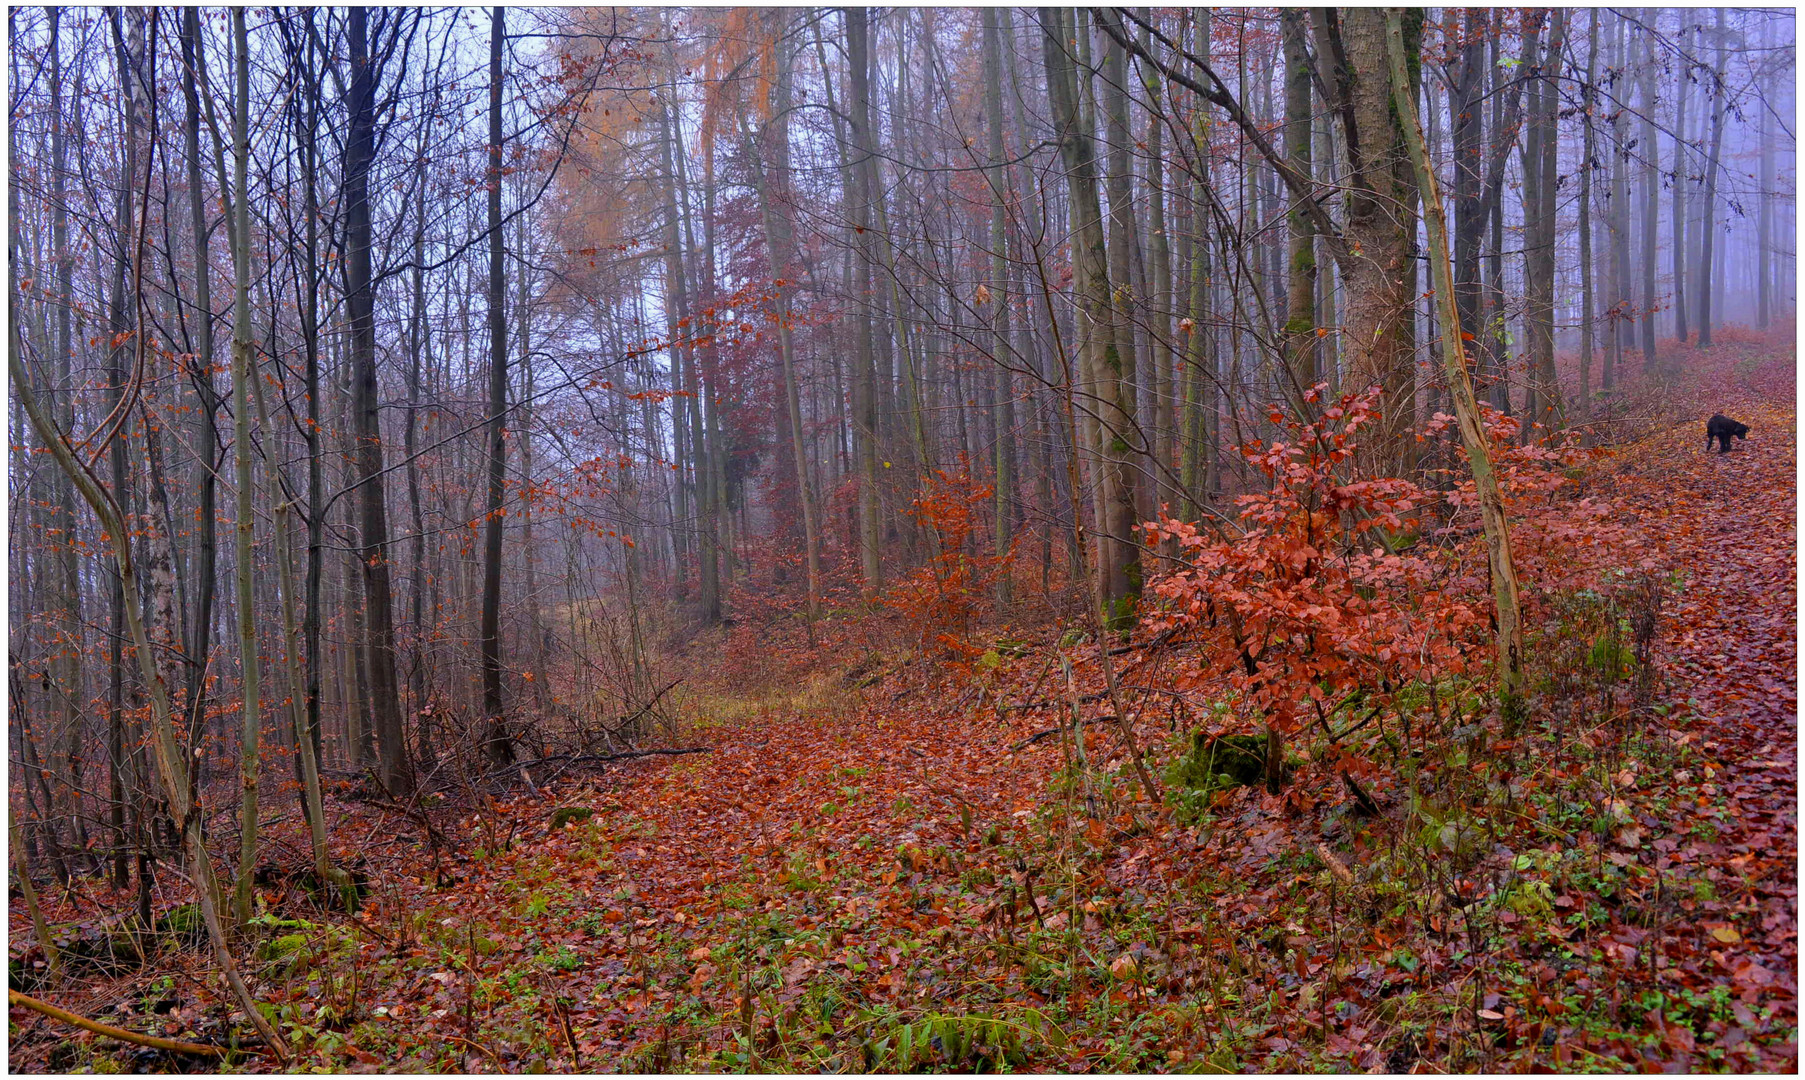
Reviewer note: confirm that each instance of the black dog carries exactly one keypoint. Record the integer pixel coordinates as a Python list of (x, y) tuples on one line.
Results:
[(1721, 427)]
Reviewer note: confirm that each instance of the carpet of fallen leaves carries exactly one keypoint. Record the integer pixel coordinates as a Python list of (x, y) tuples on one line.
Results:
[(876, 865)]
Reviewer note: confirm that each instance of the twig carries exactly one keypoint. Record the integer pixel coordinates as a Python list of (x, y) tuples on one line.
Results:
[(174, 1046), (473, 1044), (1335, 865)]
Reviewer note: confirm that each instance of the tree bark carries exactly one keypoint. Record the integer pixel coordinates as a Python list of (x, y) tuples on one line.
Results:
[(1381, 226)]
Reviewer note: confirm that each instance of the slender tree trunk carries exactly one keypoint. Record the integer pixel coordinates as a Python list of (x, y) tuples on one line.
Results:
[(310, 345), (705, 450), (417, 338), (1162, 376), (1507, 120), (385, 698), (120, 327), (307, 762), (686, 415), (864, 387), (1466, 405), (1118, 582), (201, 373), (69, 712), (1708, 207), (1546, 383), (1651, 197), (250, 760), (1199, 460), (1002, 357), (1300, 289), (1589, 159), (1619, 225), (1764, 221), (1681, 178), (1121, 243), (497, 743), (1466, 105)]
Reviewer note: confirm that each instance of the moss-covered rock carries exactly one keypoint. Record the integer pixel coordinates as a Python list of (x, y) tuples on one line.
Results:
[(286, 947), (564, 815)]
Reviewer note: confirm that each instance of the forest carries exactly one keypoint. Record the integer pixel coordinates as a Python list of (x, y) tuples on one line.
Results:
[(791, 539)]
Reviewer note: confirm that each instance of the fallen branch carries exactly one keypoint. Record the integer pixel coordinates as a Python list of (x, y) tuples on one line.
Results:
[(584, 759), (1052, 731), (1159, 639), (1085, 699), (174, 1046)]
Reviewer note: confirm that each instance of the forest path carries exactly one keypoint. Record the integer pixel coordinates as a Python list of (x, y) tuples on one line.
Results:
[(816, 842), (1729, 643), (816, 847)]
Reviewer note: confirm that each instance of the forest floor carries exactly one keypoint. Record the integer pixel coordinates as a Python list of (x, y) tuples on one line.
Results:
[(872, 868)]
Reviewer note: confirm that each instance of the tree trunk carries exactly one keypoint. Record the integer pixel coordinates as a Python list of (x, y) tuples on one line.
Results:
[(1381, 227), (1540, 169), (1003, 360), (685, 411), (1589, 100), (120, 324), (250, 759), (864, 387), (1465, 105), (1619, 224), (1300, 290), (1651, 197), (1466, 405), (200, 369), (1708, 208), (1681, 178), (1162, 376), (310, 345), (69, 713), (1764, 221), (360, 311), (1118, 579), (497, 744)]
